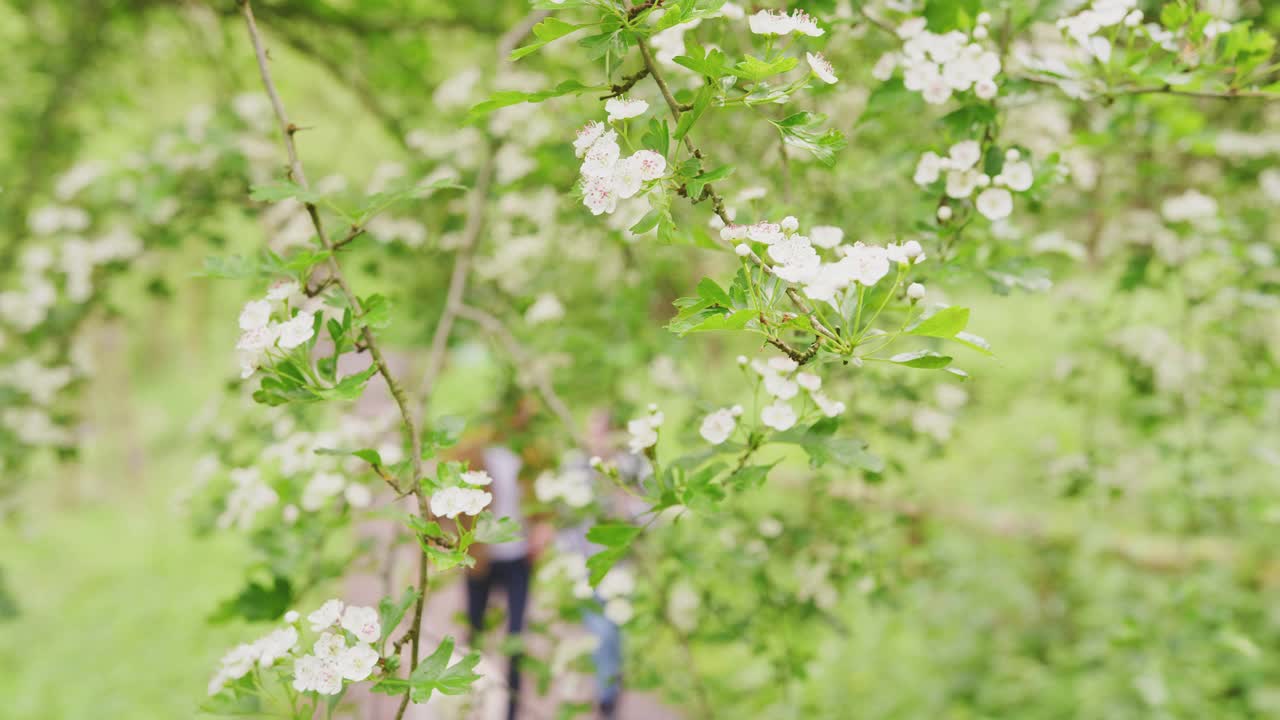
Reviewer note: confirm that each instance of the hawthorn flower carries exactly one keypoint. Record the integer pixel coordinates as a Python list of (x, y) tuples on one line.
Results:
[(764, 232), (357, 663), (867, 264), (928, 169), (994, 203), (780, 386), (961, 183), (326, 616), (621, 108), (1016, 176), (362, 622), (826, 236), (255, 315), (297, 331), (965, 154), (599, 196), (651, 164), (329, 644), (828, 407), (322, 675), (822, 68), (985, 89), (276, 645), (453, 501), (644, 431), (779, 415), (234, 665), (587, 137), (718, 426), (808, 381), (479, 478), (282, 289), (771, 22), (804, 24), (602, 156)]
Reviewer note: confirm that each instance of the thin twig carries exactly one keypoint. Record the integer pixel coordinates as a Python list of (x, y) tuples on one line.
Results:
[(628, 82), (298, 175), (717, 202), (1166, 89)]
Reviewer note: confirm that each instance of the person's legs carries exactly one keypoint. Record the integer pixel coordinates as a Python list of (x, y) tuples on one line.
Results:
[(514, 576), (608, 660), (477, 601)]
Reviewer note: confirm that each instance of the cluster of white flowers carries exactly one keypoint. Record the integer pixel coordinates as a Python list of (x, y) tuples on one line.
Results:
[(606, 175), (464, 499), (1172, 364), (777, 22), (1191, 206), (572, 567), (261, 333), (76, 260), (796, 257), (719, 425), (332, 660), (37, 382), (249, 495), (545, 308), (614, 590), (782, 382), (938, 65), (683, 602), (964, 177), (1083, 27), (264, 652), (324, 486), (643, 431), (572, 486)]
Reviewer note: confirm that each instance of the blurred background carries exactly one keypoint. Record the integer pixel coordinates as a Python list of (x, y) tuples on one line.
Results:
[(1087, 528)]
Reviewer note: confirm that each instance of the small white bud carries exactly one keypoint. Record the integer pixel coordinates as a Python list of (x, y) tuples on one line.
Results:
[(984, 180), (984, 17), (912, 248), (596, 462), (790, 224), (944, 213), (742, 249), (736, 409), (291, 616), (1133, 19), (1012, 155), (915, 291), (980, 32), (653, 407), (742, 359)]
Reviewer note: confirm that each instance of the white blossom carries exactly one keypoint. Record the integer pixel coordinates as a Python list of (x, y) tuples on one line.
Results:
[(453, 501), (994, 203), (362, 622), (718, 426), (326, 616), (822, 68), (621, 108), (779, 415), (255, 315), (297, 331)]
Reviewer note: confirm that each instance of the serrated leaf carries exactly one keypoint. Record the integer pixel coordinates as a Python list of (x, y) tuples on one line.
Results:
[(923, 359), (546, 31)]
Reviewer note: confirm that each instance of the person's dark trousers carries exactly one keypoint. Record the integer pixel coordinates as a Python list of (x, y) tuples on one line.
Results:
[(512, 577)]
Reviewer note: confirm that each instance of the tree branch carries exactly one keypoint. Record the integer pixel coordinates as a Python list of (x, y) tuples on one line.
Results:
[(717, 202), (298, 175)]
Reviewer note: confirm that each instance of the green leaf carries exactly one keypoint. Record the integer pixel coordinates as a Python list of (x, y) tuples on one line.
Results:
[(545, 31), (601, 563), (657, 137), (257, 602), (390, 612), (713, 65), (822, 445), (924, 359), (491, 529), (275, 192), (613, 534), (802, 130), (700, 104), (434, 674), (377, 312), (505, 98), (944, 323), (753, 69)]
